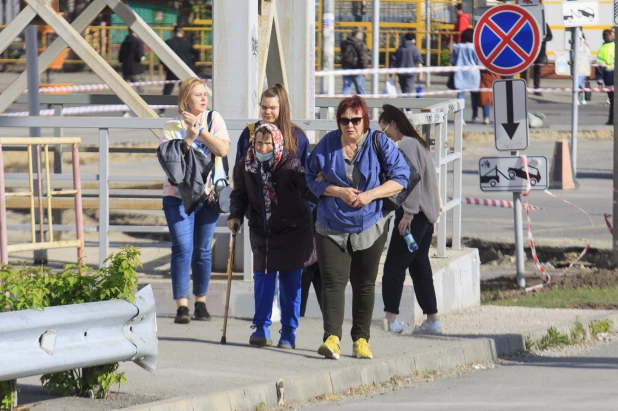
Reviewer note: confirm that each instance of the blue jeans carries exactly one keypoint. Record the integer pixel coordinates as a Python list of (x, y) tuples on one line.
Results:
[(359, 83), (290, 283), (191, 246)]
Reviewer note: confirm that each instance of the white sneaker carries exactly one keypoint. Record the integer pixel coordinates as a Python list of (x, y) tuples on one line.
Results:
[(396, 327), (429, 327), (275, 317), (126, 114)]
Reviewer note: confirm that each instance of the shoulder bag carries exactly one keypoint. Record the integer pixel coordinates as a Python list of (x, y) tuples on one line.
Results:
[(394, 202)]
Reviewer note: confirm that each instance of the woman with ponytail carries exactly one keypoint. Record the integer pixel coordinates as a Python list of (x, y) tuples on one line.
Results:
[(416, 216)]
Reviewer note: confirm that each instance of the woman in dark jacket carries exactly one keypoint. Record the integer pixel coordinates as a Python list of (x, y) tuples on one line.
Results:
[(270, 183), (275, 109)]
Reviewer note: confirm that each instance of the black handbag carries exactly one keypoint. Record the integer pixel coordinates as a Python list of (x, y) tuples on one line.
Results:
[(587, 94), (394, 202), (219, 198)]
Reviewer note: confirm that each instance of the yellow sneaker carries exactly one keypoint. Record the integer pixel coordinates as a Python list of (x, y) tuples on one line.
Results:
[(330, 348), (361, 349)]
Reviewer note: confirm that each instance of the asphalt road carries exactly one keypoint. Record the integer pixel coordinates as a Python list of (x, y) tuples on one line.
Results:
[(585, 382)]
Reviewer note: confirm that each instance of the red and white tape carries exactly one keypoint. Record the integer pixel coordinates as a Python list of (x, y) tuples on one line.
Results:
[(535, 257), (488, 90), (86, 110), (495, 203), (609, 223)]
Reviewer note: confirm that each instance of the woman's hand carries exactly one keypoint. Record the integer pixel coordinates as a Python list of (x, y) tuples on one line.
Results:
[(349, 195), (233, 224), (191, 121), (362, 199), (320, 178), (404, 224)]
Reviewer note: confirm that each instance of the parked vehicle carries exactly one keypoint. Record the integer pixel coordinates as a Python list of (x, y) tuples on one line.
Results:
[(491, 177), (533, 172), (586, 12)]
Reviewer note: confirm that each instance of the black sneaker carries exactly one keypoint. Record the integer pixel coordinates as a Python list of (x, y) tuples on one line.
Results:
[(201, 313), (182, 315)]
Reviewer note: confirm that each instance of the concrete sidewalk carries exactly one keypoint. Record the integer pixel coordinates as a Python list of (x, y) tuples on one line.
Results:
[(196, 372)]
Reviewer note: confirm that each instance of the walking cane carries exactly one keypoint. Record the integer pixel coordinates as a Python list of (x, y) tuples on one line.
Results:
[(230, 263)]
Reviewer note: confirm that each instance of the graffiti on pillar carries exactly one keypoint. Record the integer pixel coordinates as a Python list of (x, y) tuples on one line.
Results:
[(254, 46)]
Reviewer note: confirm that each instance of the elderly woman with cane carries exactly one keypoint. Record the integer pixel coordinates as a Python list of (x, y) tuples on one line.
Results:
[(270, 184), (344, 172)]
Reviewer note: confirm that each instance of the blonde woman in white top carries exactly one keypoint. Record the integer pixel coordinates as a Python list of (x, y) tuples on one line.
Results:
[(417, 215)]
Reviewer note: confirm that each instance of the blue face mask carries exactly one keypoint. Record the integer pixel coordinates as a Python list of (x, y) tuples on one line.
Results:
[(262, 158)]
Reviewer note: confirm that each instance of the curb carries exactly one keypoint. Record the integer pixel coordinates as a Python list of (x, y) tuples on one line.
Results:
[(302, 389)]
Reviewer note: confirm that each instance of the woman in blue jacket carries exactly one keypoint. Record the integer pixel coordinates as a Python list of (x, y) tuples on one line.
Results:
[(351, 229)]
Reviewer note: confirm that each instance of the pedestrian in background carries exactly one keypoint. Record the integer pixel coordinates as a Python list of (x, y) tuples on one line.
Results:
[(192, 232), (270, 188), (464, 56), (183, 49), (343, 172), (407, 56), (416, 216), (462, 22), (483, 99), (605, 69), (275, 109), (354, 55), (541, 60), (130, 57)]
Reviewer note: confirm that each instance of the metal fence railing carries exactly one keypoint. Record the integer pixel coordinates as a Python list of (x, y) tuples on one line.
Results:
[(435, 127)]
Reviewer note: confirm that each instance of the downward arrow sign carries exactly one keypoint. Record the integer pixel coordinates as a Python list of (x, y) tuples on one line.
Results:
[(510, 126)]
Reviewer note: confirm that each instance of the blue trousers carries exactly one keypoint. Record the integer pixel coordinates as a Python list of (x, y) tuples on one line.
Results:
[(289, 297), (191, 246), (358, 81)]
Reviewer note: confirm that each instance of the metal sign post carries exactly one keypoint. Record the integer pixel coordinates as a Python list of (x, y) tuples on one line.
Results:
[(507, 40), (575, 102)]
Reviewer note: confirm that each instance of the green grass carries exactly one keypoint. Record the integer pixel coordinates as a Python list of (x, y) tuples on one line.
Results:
[(579, 297), (600, 326)]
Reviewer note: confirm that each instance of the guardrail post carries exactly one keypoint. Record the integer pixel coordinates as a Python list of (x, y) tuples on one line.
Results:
[(457, 180), (103, 195), (440, 156)]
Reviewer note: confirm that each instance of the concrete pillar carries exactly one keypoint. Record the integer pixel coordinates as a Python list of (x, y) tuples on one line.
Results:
[(235, 64), (298, 43)]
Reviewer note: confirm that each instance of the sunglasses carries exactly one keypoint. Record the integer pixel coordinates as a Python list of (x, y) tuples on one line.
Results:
[(345, 121)]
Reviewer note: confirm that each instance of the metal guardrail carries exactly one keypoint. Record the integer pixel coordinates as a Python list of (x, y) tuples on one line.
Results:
[(63, 338)]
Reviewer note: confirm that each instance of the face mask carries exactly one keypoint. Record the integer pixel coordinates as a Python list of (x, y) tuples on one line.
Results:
[(262, 158)]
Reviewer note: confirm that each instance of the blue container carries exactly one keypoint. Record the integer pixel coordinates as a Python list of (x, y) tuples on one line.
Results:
[(410, 242), (419, 89)]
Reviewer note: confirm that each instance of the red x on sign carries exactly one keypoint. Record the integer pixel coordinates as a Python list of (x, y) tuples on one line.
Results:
[(507, 39)]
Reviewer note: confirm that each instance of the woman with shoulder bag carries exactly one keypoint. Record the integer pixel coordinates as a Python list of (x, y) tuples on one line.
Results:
[(416, 217), (343, 171), (270, 183), (192, 226)]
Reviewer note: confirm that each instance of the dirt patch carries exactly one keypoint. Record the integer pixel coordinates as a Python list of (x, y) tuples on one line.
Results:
[(594, 270)]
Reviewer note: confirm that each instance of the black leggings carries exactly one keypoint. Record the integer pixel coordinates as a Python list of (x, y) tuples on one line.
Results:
[(399, 259)]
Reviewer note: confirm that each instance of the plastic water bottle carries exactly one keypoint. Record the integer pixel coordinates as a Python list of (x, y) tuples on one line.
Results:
[(419, 90), (412, 246)]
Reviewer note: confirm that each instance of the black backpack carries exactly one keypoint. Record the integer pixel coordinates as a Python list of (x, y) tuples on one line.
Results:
[(349, 54)]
